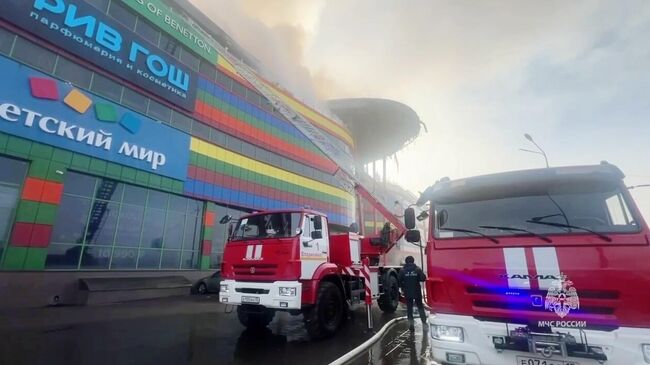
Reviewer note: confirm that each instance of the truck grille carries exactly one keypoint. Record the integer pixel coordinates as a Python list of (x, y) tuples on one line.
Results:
[(255, 269), (252, 291)]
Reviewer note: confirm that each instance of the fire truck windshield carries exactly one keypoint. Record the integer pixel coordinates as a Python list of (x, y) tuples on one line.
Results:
[(272, 225), (597, 208)]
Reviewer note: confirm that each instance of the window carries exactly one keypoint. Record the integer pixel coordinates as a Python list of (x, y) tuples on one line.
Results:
[(73, 73), (147, 31), (224, 80), (34, 55), (190, 59), (594, 205), (169, 45), (107, 225), (238, 89), (12, 175), (217, 137), (122, 15), (273, 225), (208, 70), (181, 121), (7, 41), (253, 97), (159, 112), (233, 144), (200, 130), (99, 4), (106, 87), (135, 100), (618, 211)]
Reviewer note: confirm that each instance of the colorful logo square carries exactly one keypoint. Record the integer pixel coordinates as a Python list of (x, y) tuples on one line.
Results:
[(131, 123), (106, 113), (78, 101), (44, 88)]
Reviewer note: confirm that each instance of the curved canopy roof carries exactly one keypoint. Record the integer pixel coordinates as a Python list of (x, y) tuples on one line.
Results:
[(380, 127)]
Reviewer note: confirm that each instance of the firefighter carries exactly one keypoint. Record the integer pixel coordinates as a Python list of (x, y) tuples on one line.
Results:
[(410, 278)]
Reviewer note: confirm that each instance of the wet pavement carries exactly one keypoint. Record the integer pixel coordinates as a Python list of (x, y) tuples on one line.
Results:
[(399, 346), (186, 330)]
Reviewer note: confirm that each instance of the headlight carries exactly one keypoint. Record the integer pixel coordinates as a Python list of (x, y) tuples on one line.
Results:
[(447, 333), (287, 292), (223, 288), (646, 352)]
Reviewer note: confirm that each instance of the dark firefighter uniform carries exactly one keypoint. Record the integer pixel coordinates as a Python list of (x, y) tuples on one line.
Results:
[(410, 278)]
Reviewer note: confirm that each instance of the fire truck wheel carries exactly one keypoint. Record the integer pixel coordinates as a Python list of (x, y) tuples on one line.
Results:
[(325, 317), (389, 299), (254, 320)]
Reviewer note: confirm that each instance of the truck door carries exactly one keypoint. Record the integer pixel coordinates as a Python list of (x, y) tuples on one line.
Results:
[(314, 244)]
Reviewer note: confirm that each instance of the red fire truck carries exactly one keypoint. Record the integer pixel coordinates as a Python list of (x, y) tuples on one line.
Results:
[(289, 261), (537, 267)]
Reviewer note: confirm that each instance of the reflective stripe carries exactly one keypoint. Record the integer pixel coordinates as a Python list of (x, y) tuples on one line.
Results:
[(515, 259), (249, 251), (258, 252), (546, 264)]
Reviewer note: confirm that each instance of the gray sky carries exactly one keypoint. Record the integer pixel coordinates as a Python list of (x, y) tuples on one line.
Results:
[(574, 75)]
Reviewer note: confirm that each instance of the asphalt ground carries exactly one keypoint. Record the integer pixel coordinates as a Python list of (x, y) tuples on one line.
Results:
[(181, 330), (399, 346)]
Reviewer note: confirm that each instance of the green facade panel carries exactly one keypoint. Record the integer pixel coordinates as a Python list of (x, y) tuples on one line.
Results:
[(205, 263), (46, 213), (35, 259), (38, 168), (14, 258), (26, 211)]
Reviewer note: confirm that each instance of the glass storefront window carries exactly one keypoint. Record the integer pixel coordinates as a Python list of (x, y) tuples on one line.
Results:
[(72, 219), (12, 175), (152, 229), (107, 225), (63, 256), (130, 223)]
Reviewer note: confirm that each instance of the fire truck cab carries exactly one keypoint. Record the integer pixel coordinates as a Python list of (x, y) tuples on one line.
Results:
[(546, 266), (289, 261)]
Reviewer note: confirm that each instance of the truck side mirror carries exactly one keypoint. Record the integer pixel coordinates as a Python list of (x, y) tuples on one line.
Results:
[(412, 236), (354, 228), (443, 217), (225, 219), (318, 222), (315, 235), (409, 218)]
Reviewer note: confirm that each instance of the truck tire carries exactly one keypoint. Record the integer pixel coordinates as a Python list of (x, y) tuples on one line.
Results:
[(324, 318), (389, 299), (254, 319)]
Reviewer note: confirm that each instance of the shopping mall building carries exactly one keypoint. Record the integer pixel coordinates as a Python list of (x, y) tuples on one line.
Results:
[(127, 129)]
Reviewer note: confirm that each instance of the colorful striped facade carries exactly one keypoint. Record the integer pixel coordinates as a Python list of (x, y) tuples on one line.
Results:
[(242, 156)]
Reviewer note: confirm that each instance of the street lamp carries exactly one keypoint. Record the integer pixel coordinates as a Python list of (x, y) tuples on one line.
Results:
[(540, 152)]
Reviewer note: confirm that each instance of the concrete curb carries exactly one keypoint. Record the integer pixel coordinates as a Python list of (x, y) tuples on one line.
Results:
[(366, 345)]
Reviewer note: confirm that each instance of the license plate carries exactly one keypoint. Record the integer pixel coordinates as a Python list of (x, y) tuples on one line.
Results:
[(254, 300), (522, 360)]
